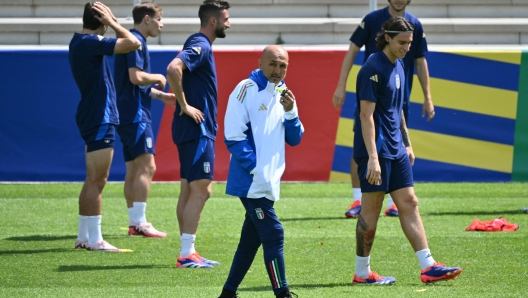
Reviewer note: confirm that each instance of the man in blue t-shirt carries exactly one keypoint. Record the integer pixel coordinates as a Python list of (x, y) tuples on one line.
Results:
[(97, 113), (383, 152), (134, 92), (192, 78), (365, 35)]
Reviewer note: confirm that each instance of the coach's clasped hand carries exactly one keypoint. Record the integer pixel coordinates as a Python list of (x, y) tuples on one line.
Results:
[(287, 100)]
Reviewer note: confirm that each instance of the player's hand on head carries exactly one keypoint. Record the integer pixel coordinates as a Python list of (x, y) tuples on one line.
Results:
[(339, 98), (111, 14), (287, 100), (106, 15)]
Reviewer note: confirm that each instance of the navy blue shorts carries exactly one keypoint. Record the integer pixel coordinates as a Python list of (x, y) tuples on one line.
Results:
[(100, 137), (395, 174), (197, 159), (137, 139)]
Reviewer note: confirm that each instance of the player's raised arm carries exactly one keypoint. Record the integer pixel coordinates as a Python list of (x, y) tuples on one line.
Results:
[(126, 41)]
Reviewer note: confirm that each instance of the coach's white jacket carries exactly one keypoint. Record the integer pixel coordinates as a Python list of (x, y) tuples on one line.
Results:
[(256, 130)]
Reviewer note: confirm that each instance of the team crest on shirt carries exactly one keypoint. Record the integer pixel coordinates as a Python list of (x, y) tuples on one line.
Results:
[(149, 142), (397, 81), (260, 213), (207, 167), (198, 50)]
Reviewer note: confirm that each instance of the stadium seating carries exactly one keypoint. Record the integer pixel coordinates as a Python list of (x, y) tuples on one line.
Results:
[(51, 22)]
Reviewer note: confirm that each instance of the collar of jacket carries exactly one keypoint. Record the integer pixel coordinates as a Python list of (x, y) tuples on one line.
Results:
[(258, 77)]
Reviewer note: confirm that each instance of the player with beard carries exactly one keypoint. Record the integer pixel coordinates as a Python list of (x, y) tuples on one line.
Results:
[(192, 78), (365, 35)]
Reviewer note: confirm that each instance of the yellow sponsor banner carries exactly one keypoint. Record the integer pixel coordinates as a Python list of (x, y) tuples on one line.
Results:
[(469, 97), (345, 132), (462, 151), (508, 56), (459, 96), (339, 177), (351, 80)]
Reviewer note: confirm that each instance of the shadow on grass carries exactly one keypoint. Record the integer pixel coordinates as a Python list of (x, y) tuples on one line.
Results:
[(295, 286), (41, 238), (313, 218), (336, 285), (475, 213), (35, 251), (73, 268), (58, 238)]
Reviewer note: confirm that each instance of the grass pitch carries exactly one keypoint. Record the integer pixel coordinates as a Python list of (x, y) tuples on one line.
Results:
[(39, 228)]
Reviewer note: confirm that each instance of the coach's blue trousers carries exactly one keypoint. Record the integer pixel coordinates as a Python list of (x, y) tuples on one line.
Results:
[(261, 226)]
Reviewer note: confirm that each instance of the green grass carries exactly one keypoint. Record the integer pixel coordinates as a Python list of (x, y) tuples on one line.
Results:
[(39, 228)]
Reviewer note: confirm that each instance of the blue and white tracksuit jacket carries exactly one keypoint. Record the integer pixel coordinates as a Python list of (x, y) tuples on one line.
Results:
[(256, 129)]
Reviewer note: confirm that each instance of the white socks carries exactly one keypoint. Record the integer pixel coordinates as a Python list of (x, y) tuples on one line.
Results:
[(137, 214), (94, 229), (389, 201), (82, 235), (425, 258), (187, 245), (363, 263), (362, 266), (357, 194)]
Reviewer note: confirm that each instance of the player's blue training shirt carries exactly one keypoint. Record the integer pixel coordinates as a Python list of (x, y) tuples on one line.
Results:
[(365, 35), (382, 82), (200, 88), (133, 101), (91, 71)]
